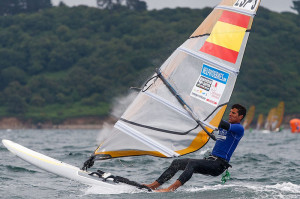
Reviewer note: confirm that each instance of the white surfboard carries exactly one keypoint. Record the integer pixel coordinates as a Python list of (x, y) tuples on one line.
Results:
[(65, 170)]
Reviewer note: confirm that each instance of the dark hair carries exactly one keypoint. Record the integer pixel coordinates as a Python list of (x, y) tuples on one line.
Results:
[(241, 110)]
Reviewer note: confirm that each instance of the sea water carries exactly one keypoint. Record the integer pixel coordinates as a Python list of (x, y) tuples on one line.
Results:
[(265, 165)]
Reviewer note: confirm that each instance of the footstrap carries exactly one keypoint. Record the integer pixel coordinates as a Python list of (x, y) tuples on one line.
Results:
[(117, 179), (132, 183)]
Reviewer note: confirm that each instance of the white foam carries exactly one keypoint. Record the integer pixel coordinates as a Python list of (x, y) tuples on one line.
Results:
[(208, 188), (280, 190), (266, 131), (285, 187), (204, 151), (120, 104), (98, 190)]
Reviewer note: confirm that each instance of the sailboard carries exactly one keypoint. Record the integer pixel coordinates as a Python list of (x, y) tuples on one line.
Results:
[(249, 117), (179, 107), (107, 182)]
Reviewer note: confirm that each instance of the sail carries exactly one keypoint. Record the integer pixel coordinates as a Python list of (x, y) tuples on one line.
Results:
[(249, 117), (260, 121), (268, 124), (277, 117), (186, 98)]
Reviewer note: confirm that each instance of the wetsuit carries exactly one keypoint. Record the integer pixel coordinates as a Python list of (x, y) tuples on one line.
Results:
[(228, 138)]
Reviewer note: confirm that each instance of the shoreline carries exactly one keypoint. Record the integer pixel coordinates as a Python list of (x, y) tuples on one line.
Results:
[(72, 123), (79, 123)]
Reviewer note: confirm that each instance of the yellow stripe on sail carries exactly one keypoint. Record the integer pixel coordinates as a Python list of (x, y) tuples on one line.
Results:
[(227, 35), (202, 138), (115, 154)]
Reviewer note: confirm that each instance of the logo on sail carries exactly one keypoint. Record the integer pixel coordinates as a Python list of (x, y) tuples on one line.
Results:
[(210, 85), (246, 4), (214, 74)]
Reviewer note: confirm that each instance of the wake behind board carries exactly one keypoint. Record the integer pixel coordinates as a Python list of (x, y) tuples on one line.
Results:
[(68, 171)]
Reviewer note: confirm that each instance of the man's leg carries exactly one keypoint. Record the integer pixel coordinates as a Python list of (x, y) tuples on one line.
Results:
[(176, 165), (206, 167)]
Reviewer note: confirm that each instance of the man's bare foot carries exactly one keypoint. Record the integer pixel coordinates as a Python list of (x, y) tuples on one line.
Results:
[(162, 190), (153, 185), (173, 187)]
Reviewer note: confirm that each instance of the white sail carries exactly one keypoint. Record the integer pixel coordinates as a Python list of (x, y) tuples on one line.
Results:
[(189, 91)]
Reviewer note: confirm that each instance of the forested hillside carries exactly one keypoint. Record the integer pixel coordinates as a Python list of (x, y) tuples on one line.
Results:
[(66, 62)]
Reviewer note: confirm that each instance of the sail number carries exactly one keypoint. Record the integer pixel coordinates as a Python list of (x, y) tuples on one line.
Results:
[(246, 4)]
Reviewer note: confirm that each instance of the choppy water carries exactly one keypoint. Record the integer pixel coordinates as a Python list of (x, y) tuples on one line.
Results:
[(265, 165)]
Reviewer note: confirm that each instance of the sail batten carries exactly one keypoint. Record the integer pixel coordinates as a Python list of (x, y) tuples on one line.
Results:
[(176, 108), (169, 104), (208, 60), (146, 140)]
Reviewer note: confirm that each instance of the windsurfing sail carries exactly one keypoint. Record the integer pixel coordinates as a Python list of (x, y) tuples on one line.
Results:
[(249, 117), (277, 117), (184, 101), (269, 119), (260, 121)]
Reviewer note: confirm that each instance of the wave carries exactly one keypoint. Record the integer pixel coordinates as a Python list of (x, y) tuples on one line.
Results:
[(5, 179), (19, 169), (279, 190), (122, 189), (285, 187), (3, 149)]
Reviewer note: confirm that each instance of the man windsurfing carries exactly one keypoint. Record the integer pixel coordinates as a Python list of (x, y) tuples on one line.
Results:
[(228, 137)]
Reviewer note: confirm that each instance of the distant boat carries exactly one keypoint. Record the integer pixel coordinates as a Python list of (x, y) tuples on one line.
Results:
[(269, 119), (260, 121), (249, 117), (275, 118), (295, 125)]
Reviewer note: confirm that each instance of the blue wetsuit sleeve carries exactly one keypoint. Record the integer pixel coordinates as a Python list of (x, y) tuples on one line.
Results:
[(237, 130)]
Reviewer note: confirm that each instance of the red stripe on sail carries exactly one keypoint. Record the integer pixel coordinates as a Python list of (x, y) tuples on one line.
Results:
[(220, 52), (235, 19)]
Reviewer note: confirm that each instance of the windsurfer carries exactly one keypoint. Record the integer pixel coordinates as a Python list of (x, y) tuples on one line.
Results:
[(229, 135)]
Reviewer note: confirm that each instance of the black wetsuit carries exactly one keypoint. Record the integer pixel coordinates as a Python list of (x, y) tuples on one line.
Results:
[(212, 165)]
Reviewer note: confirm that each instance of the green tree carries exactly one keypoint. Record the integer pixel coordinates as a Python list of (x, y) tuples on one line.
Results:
[(16, 105), (36, 5), (136, 5), (130, 4), (13, 74), (15, 96), (106, 4), (11, 7), (296, 6)]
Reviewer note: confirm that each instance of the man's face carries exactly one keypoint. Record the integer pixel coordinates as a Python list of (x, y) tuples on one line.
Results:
[(234, 116)]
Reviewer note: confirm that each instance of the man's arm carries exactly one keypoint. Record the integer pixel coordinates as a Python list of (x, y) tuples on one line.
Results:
[(235, 129), (224, 125)]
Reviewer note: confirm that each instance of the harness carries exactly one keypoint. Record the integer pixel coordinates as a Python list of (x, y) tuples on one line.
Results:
[(214, 158), (226, 175)]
